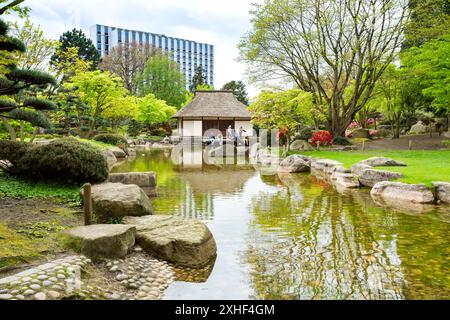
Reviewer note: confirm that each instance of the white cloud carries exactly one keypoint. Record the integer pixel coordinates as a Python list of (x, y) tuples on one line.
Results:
[(219, 22)]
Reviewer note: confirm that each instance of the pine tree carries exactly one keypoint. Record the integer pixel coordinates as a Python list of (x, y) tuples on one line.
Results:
[(199, 79), (239, 90), (19, 89)]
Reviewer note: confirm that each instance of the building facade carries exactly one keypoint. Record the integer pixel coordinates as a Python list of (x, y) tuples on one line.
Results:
[(187, 53)]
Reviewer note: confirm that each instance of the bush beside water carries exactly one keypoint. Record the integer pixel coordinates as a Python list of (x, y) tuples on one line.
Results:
[(66, 160)]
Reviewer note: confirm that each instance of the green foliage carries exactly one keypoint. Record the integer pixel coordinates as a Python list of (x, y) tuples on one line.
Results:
[(10, 6), (113, 139), (7, 105), (239, 90), (12, 187), (102, 95), (428, 71), (341, 141), (305, 133), (198, 80), (31, 77), (65, 160), (38, 47), (162, 78), (430, 19), (153, 111), (13, 151), (12, 44), (35, 118), (39, 104), (282, 110), (77, 39)]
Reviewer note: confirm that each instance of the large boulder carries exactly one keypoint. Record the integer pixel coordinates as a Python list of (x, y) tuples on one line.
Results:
[(419, 128), (294, 164), (300, 145), (324, 166), (119, 153), (111, 159), (141, 179), (442, 191), (117, 200), (102, 240), (371, 177), (359, 168), (186, 242), (402, 192), (382, 162)]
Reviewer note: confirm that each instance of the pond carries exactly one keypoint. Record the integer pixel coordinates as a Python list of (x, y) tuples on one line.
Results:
[(296, 237)]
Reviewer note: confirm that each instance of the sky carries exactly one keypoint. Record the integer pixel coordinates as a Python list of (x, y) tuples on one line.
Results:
[(218, 22)]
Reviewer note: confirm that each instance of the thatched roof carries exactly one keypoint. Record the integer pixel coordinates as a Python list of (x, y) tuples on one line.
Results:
[(221, 104)]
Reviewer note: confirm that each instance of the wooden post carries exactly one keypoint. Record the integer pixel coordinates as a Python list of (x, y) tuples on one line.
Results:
[(410, 144), (363, 145), (318, 145), (87, 195)]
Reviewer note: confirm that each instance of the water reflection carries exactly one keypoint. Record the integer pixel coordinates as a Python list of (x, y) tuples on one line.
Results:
[(295, 237)]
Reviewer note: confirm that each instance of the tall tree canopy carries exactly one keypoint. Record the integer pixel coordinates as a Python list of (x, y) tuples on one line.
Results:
[(77, 39), (428, 67), (100, 92), (430, 19), (324, 46), (163, 78), (198, 79), (239, 90), (127, 60), (282, 110), (39, 48)]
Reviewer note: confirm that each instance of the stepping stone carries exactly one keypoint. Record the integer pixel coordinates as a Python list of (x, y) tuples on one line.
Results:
[(117, 200), (402, 192), (103, 240), (187, 242)]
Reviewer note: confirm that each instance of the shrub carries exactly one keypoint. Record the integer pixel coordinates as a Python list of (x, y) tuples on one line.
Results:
[(341, 141), (64, 159), (304, 134), (114, 139), (325, 138), (13, 151)]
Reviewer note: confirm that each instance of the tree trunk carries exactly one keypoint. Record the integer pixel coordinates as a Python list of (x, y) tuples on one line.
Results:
[(9, 128), (36, 131), (22, 135)]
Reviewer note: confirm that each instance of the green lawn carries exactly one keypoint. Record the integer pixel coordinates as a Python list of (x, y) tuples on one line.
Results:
[(423, 166)]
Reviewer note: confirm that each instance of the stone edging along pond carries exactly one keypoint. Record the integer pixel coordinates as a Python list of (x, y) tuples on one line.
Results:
[(366, 174)]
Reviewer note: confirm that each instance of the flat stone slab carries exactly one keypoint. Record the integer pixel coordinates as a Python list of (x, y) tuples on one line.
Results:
[(141, 179), (186, 242), (345, 180), (371, 177), (103, 240), (442, 191), (117, 200), (402, 192), (382, 162)]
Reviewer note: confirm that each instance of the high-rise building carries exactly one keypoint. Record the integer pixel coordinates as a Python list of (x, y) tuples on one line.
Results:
[(187, 53)]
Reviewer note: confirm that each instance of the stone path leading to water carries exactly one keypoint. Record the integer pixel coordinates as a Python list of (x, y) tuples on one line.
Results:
[(137, 277), (53, 280)]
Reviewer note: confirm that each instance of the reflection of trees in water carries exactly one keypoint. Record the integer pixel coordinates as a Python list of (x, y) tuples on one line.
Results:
[(321, 247)]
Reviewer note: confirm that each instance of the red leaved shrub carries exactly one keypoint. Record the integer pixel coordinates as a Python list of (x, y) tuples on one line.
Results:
[(324, 137)]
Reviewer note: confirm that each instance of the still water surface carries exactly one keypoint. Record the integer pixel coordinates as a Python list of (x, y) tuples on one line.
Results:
[(296, 237)]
